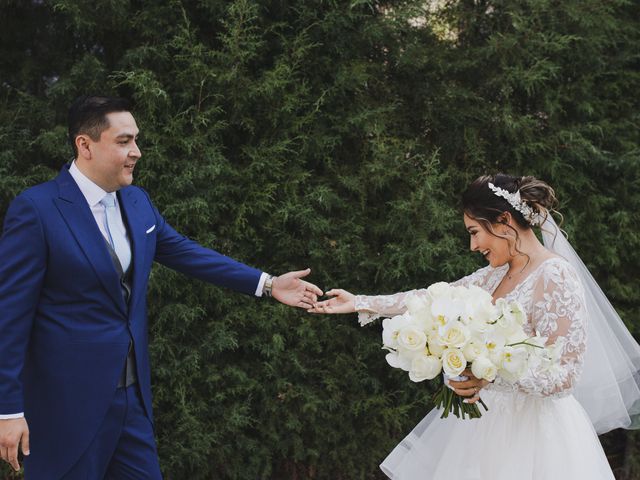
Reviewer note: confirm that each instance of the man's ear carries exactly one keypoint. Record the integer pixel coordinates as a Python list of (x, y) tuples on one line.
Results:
[(82, 145)]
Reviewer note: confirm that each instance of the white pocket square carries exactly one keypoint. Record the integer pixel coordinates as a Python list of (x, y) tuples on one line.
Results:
[(151, 229)]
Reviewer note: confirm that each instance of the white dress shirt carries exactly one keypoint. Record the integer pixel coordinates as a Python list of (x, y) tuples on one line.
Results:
[(93, 194)]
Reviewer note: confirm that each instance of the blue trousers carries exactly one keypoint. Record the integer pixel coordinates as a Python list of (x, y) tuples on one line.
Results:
[(124, 447)]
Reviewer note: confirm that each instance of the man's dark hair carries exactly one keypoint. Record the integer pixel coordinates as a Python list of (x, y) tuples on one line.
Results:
[(88, 115)]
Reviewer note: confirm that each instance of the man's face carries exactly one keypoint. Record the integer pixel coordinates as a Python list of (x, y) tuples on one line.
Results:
[(114, 156)]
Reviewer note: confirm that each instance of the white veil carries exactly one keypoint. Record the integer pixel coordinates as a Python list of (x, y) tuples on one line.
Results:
[(609, 388)]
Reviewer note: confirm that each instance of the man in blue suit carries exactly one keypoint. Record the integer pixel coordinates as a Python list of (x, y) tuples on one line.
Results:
[(75, 258)]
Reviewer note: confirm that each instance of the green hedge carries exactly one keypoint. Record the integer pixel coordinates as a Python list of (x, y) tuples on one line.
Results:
[(336, 135)]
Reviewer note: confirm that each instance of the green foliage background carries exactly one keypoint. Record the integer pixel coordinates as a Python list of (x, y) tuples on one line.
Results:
[(337, 135)]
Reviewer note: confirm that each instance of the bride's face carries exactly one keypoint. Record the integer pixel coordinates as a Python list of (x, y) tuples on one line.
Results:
[(494, 249)]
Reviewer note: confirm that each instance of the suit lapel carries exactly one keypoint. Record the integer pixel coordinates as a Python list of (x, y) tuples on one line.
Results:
[(78, 216), (137, 236)]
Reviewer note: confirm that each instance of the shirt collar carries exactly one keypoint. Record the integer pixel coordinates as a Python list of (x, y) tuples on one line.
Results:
[(92, 192)]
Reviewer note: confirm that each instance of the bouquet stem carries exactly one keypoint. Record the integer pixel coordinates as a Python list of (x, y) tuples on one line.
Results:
[(449, 401)]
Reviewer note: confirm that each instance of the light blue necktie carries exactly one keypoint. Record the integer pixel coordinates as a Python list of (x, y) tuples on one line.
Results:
[(116, 239)]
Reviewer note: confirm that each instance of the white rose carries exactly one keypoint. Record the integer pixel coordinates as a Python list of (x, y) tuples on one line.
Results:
[(419, 309), (472, 295), (415, 302), (459, 292), (399, 360), (479, 306), (473, 350), (484, 368), (453, 362), (439, 290), (480, 294), (412, 339), (425, 367), (454, 334), (434, 344), (391, 329), (393, 359)]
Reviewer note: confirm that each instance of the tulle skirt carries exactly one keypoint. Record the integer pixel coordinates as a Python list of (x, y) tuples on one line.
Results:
[(521, 437)]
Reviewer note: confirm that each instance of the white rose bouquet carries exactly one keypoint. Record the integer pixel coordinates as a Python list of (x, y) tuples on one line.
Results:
[(452, 328)]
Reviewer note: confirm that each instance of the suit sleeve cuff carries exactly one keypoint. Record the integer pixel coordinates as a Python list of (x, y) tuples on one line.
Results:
[(12, 416), (260, 286)]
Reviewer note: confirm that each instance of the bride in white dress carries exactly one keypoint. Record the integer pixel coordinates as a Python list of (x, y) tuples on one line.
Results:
[(535, 429)]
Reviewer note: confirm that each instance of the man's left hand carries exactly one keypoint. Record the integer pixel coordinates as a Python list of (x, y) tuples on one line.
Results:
[(291, 290)]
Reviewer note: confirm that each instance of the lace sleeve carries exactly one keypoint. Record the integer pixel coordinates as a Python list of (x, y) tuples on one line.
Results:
[(370, 308), (558, 313)]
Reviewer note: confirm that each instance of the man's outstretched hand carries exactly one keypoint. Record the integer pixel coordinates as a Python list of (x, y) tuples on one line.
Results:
[(12, 433), (291, 290)]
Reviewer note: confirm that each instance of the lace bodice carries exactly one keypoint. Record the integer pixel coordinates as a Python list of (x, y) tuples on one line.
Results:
[(553, 300)]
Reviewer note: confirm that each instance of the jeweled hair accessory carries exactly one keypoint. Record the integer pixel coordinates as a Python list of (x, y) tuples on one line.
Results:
[(514, 199)]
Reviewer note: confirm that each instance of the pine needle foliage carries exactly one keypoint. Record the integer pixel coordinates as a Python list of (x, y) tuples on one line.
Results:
[(336, 135)]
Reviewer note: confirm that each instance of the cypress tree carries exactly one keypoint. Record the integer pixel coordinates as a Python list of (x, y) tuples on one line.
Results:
[(336, 135)]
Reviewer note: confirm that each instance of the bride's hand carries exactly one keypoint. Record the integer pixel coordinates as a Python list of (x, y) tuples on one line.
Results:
[(342, 302), (469, 388)]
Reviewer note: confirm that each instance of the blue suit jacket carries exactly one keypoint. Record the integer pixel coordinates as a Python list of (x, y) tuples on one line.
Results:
[(64, 325)]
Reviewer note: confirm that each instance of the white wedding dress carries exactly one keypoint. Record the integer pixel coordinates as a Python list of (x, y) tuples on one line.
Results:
[(535, 429)]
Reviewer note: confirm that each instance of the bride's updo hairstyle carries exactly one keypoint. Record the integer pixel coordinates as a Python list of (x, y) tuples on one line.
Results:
[(485, 200)]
